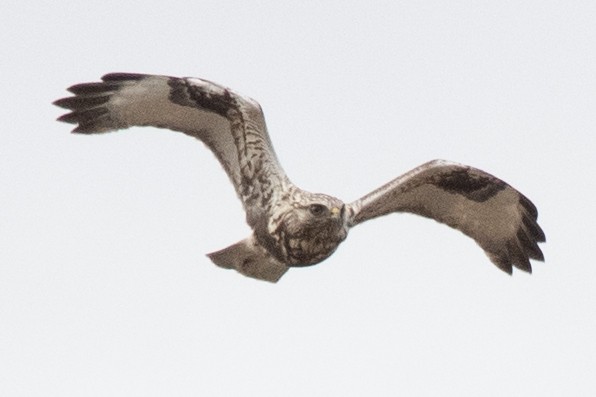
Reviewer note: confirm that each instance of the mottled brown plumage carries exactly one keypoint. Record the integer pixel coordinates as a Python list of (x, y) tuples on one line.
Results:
[(292, 227)]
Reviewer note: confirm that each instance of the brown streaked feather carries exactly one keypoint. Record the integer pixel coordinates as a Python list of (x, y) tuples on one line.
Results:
[(231, 125)]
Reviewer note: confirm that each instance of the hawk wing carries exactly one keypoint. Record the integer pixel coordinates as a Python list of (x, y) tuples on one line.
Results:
[(231, 125), (498, 217)]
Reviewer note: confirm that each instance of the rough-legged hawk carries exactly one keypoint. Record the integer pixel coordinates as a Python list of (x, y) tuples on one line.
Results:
[(292, 227)]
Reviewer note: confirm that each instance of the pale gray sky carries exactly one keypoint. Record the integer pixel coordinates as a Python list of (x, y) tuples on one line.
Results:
[(104, 286)]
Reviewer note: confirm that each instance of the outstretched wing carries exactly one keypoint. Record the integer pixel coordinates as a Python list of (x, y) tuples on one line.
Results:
[(498, 217), (231, 125)]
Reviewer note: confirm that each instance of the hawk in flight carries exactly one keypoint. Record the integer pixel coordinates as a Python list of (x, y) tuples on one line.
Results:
[(292, 227)]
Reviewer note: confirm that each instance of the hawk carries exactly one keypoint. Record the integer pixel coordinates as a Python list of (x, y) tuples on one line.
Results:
[(292, 227)]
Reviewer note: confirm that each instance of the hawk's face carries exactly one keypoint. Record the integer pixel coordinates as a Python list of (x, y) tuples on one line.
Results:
[(311, 229)]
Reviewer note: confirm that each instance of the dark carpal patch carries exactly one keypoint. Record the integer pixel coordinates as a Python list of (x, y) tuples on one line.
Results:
[(473, 187), (186, 94)]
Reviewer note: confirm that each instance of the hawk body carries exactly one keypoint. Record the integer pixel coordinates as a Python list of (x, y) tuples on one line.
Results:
[(293, 227)]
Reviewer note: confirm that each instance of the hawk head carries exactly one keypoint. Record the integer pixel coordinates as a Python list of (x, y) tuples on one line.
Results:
[(309, 229)]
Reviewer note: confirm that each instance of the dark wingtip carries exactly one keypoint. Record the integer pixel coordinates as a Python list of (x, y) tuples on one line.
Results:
[(501, 262), (518, 257), (530, 220), (523, 263), (89, 120), (89, 89), (81, 102), (536, 254), (85, 129), (59, 103), (70, 118), (534, 229), (528, 206), (530, 245), (89, 105), (119, 76)]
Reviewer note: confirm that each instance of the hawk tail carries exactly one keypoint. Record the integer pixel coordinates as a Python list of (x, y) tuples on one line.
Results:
[(248, 257)]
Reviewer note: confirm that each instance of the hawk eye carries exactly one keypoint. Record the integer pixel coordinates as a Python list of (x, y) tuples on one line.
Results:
[(317, 209)]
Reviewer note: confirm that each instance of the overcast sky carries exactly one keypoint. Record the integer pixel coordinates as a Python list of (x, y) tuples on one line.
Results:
[(105, 289)]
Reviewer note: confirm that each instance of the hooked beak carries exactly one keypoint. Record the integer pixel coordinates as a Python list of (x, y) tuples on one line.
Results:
[(338, 212)]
